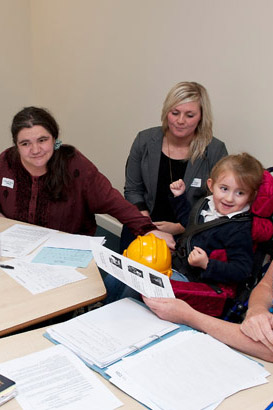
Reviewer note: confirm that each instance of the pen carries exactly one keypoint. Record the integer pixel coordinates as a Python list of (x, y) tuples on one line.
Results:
[(6, 266), (269, 406)]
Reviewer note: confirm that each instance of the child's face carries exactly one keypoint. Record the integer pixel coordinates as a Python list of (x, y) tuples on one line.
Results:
[(228, 196)]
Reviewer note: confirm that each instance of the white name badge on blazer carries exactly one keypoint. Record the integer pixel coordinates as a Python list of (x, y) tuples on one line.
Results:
[(8, 182), (196, 182)]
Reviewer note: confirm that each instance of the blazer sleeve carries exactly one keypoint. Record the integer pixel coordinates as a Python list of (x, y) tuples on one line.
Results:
[(135, 189)]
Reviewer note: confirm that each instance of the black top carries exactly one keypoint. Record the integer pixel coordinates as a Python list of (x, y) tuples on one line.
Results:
[(170, 170)]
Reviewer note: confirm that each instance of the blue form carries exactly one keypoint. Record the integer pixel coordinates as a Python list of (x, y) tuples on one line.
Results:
[(78, 258)]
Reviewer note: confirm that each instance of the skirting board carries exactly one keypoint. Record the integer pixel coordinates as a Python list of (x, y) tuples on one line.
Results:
[(107, 222)]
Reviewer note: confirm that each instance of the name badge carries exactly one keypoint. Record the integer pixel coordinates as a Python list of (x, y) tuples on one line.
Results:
[(196, 182), (8, 182)]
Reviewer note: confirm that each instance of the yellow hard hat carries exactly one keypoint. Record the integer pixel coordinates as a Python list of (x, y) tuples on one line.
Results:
[(152, 252)]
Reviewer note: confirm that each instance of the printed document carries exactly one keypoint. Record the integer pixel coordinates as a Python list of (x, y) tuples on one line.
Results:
[(72, 241), (104, 335), (189, 370), (79, 258), (65, 249), (55, 378), (144, 280), (38, 278), (19, 240)]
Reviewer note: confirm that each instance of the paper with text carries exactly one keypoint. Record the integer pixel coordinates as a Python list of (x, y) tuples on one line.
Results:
[(72, 241), (56, 378), (104, 335), (144, 280), (38, 278), (19, 240), (189, 370), (79, 258)]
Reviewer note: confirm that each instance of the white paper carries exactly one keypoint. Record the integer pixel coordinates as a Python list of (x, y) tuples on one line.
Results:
[(71, 241), (19, 240), (104, 335), (67, 241), (38, 278), (56, 378), (144, 280), (189, 370)]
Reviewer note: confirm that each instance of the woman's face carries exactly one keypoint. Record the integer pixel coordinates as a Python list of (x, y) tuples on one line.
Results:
[(35, 146), (184, 119)]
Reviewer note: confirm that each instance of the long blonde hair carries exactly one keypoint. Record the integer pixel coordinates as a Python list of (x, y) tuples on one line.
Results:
[(186, 92)]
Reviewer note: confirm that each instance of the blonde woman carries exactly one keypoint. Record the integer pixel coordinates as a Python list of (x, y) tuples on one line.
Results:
[(182, 147)]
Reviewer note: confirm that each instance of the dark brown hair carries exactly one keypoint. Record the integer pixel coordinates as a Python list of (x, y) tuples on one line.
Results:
[(57, 178)]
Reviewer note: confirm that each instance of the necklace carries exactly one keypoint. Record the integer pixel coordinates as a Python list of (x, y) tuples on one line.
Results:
[(170, 162)]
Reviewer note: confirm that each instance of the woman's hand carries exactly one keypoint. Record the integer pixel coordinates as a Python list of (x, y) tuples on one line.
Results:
[(258, 325), (198, 258), (166, 236), (145, 213), (174, 228), (174, 310)]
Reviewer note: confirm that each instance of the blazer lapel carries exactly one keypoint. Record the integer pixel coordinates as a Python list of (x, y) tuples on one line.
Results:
[(192, 172)]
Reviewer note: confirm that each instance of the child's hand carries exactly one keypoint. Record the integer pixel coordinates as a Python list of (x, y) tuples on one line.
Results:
[(198, 258), (178, 187)]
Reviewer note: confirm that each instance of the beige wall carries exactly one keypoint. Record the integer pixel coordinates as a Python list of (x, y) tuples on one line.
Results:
[(16, 62), (104, 67)]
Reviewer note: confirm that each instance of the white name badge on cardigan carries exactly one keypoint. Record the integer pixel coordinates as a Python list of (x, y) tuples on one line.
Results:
[(196, 183), (8, 182)]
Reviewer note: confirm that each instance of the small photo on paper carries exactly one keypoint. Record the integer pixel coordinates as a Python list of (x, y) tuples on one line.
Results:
[(135, 271), (115, 261), (156, 280)]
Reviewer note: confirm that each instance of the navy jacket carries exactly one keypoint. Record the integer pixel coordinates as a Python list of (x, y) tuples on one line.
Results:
[(234, 237)]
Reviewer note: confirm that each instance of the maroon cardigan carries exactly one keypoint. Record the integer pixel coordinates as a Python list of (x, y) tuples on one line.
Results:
[(23, 198)]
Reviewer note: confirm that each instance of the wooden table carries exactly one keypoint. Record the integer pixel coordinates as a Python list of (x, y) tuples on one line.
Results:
[(20, 309), (256, 398)]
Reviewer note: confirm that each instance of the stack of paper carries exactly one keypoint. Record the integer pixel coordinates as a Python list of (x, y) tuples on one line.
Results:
[(19, 240), (7, 389), (55, 378), (38, 278), (105, 335), (189, 370)]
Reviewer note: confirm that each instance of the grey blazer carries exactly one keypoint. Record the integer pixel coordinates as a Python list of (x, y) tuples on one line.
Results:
[(143, 165)]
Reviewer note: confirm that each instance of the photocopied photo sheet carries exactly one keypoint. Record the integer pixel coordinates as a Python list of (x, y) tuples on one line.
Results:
[(105, 335), (144, 280), (55, 378)]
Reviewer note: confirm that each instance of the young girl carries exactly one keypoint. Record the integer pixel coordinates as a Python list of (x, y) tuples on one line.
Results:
[(222, 253)]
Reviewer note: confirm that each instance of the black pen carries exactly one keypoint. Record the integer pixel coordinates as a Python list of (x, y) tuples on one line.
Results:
[(6, 266)]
